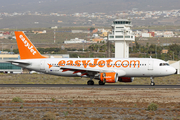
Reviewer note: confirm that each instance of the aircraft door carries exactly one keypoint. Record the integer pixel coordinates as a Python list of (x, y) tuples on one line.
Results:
[(150, 65), (42, 66)]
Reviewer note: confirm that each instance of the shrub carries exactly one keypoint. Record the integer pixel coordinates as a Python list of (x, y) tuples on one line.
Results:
[(65, 113), (53, 99), (152, 107), (70, 101), (49, 116), (17, 99)]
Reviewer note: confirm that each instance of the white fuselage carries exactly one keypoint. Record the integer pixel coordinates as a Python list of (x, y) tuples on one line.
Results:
[(130, 67)]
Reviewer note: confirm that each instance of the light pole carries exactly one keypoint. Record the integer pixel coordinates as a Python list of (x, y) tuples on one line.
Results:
[(2, 46)]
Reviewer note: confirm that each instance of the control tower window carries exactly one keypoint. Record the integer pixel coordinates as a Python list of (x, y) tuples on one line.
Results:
[(119, 36), (119, 27), (111, 36)]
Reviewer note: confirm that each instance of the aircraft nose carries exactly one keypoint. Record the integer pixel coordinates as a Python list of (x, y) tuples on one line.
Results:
[(172, 70)]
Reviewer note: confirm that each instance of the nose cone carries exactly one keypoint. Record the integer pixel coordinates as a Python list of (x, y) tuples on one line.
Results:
[(172, 70)]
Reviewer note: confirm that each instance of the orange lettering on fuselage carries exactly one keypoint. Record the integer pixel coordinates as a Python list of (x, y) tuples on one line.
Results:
[(70, 62), (135, 63), (125, 65), (116, 63), (78, 63), (62, 63), (85, 63), (101, 63), (93, 64), (109, 63)]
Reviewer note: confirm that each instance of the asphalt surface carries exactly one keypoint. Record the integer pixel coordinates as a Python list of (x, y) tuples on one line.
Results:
[(89, 86)]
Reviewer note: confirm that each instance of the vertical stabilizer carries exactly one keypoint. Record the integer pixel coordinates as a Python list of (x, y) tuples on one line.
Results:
[(26, 49)]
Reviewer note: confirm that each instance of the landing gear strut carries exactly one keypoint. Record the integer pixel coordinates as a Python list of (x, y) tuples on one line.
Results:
[(152, 81), (101, 83)]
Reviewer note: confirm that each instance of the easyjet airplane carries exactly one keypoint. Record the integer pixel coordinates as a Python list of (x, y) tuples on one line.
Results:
[(106, 70)]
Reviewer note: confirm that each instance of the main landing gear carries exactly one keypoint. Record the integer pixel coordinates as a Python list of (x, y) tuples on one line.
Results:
[(90, 82), (152, 81), (101, 83)]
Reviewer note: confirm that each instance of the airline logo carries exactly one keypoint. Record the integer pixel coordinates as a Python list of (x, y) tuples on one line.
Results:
[(100, 63), (50, 66), (27, 44)]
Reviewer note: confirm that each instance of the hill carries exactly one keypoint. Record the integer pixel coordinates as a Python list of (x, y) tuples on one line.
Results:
[(71, 6)]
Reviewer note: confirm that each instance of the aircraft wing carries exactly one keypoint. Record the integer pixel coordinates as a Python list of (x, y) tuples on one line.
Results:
[(88, 71), (19, 62)]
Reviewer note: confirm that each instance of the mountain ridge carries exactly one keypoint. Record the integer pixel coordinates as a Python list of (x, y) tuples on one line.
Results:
[(72, 6)]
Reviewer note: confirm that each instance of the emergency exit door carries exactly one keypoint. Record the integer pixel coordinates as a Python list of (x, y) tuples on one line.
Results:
[(150, 65)]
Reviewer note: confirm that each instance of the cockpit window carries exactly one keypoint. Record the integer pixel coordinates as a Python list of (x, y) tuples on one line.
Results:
[(163, 64)]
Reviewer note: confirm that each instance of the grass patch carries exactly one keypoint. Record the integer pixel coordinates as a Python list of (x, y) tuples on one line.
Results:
[(49, 116), (70, 101), (53, 99), (152, 107), (17, 99), (65, 113)]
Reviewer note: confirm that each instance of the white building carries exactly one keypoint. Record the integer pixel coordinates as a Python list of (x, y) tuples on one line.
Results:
[(168, 34), (122, 35), (95, 35), (146, 35), (76, 40)]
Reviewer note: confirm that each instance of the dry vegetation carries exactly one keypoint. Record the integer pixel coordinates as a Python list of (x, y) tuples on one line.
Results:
[(86, 103), (89, 103)]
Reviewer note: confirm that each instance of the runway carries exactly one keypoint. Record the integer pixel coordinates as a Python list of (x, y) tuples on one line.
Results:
[(88, 86)]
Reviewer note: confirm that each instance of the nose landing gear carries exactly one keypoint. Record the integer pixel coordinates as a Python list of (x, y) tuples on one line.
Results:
[(152, 81)]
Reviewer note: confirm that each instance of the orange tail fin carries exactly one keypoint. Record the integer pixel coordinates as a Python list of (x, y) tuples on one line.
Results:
[(26, 49)]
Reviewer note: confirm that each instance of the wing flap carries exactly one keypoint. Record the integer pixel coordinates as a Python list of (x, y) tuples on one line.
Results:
[(80, 69)]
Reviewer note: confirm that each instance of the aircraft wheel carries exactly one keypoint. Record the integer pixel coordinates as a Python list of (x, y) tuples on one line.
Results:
[(90, 82), (152, 84), (101, 83)]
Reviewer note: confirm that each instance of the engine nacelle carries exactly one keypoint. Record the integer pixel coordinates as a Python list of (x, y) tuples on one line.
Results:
[(125, 79), (109, 77)]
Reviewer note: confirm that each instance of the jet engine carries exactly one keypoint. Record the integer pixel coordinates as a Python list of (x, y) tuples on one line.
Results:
[(125, 79), (109, 77)]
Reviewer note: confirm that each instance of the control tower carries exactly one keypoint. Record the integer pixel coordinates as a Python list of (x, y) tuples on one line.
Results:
[(122, 35)]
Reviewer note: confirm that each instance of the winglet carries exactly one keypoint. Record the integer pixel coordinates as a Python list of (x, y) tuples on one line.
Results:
[(26, 49)]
